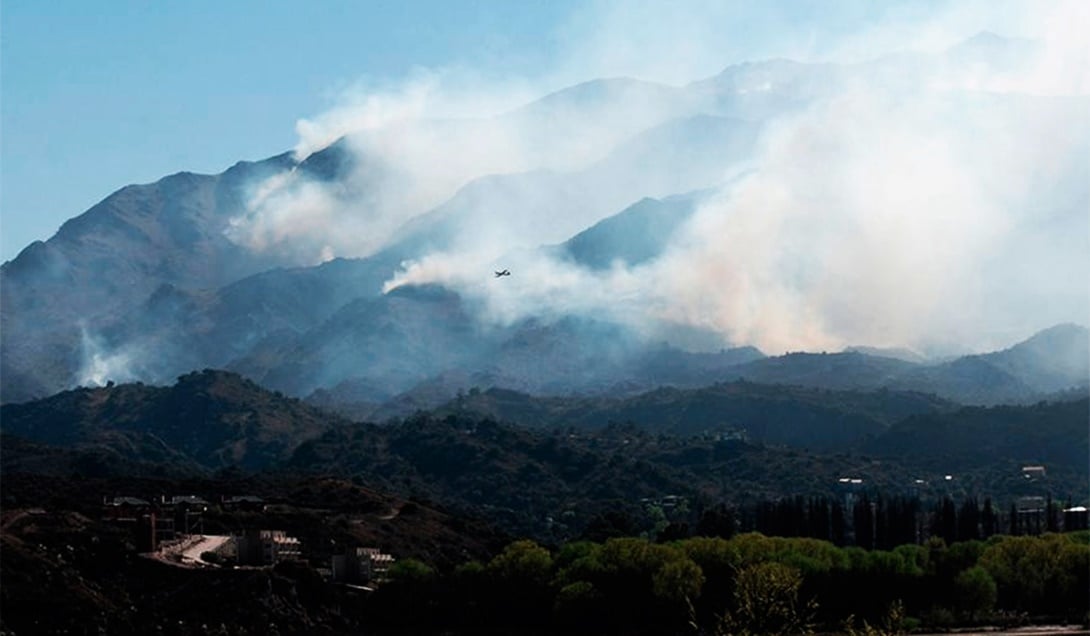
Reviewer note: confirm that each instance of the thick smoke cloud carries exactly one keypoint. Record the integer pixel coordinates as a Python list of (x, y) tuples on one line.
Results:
[(101, 363), (935, 198), (874, 220)]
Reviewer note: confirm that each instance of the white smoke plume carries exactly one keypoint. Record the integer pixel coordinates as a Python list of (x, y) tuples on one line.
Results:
[(100, 364), (927, 194)]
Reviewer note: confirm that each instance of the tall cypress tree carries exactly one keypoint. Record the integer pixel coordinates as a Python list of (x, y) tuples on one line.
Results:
[(969, 520), (944, 522), (989, 523), (838, 525), (863, 522)]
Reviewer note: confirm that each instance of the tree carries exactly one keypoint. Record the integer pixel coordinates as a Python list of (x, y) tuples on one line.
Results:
[(674, 531), (1052, 515), (989, 522), (520, 576), (522, 562), (968, 522), (863, 522), (838, 525), (766, 601), (578, 605), (1037, 574), (975, 591), (678, 581), (717, 522), (609, 525), (411, 571), (945, 523)]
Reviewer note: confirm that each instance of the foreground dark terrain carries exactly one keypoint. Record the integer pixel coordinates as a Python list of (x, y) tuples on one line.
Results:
[(629, 515), (67, 570)]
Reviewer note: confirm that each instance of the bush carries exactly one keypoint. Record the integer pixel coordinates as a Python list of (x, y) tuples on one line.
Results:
[(766, 601)]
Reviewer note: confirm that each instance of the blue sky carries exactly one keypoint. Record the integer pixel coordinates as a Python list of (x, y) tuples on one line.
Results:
[(94, 96)]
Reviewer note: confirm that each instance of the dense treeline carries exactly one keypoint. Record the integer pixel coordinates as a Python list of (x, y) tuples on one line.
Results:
[(749, 583), (550, 485), (874, 521)]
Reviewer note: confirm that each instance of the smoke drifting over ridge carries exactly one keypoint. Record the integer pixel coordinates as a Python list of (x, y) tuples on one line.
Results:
[(935, 200)]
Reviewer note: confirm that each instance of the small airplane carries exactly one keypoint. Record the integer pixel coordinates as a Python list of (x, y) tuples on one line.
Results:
[(503, 273)]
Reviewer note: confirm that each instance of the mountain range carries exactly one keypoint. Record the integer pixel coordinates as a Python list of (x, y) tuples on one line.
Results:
[(609, 181)]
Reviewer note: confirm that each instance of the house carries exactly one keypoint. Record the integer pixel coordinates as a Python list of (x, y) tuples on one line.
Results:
[(380, 561), (187, 510), (147, 523), (361, 565), (352, 567), (1031, 514), (245, 503), (118, 508), (267, 547), (191, 501), (1076, 518), (1033, 472), (1030, 505)]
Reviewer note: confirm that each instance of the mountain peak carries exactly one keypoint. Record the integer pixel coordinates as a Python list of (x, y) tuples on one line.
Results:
[(1053, 359), (985, 38), (1064, 336), (992, 49)]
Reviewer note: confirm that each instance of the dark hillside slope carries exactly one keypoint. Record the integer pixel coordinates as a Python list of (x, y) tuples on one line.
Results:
[(1053, 434), (115, 454), (846, 370), (771, 414), (1053, 360), (636, 235), (551, 484), (970, 380), (215, 418)]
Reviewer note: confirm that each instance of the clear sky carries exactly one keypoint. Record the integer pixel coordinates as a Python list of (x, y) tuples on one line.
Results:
[(94, 96)]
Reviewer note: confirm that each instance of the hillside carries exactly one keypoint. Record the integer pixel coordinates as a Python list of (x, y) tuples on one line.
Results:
[(107, 261), (1049, 361), (573, 460), (768, 414), (1053, 434), (552, 483), (600, 360), (67, 569), (211, 418)]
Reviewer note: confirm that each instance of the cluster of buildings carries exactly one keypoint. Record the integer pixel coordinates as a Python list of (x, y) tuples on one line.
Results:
[(266, 547), (170, 523), (668, 503), (360, 565), (156, 522), (1031, 514)]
